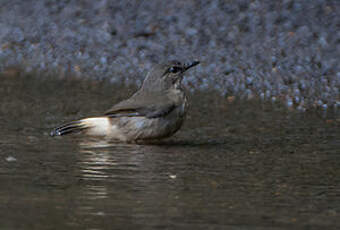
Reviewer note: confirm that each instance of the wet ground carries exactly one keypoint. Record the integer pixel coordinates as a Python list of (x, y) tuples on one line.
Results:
[(235, 164)]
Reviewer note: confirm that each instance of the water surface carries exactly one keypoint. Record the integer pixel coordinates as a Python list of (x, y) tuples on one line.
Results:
[(233, 165)]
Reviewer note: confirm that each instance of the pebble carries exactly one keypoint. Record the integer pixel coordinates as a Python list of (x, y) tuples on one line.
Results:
[(273, 49), (172, 176), (10, 159)]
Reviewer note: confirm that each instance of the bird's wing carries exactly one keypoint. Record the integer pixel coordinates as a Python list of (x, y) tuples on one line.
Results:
[(146, 106)]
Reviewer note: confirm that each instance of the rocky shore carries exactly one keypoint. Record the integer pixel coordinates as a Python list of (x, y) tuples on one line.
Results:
[(283, 50)]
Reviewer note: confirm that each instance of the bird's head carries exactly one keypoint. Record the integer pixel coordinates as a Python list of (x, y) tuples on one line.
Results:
[(167, 76)]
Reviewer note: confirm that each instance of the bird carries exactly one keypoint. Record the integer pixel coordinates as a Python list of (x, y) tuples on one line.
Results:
[(155, 111)]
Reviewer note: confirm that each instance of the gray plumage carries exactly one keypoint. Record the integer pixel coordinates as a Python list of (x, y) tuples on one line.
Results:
[(157, 110)]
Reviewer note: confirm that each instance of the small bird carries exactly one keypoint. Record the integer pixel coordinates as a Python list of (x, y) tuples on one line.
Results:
[(157, 110)]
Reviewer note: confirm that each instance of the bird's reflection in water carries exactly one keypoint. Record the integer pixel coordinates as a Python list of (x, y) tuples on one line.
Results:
[(100, 159), (104, 169), (95, 143), (96, 192)]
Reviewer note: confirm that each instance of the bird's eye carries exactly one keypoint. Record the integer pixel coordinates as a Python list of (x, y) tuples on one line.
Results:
[(174, 69)]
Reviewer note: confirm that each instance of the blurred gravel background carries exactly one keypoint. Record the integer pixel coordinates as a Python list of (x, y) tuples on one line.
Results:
[(284, 50)]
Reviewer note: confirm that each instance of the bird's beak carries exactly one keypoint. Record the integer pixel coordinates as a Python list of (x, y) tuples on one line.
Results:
[(189, 65)]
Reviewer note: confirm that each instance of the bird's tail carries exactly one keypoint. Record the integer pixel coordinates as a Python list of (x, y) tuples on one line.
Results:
[(97, 126)]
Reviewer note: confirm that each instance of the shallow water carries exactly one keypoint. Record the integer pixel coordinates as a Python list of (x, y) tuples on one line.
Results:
[(234, 164)]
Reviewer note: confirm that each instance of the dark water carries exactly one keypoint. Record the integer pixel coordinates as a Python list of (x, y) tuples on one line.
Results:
[(234, 165)]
